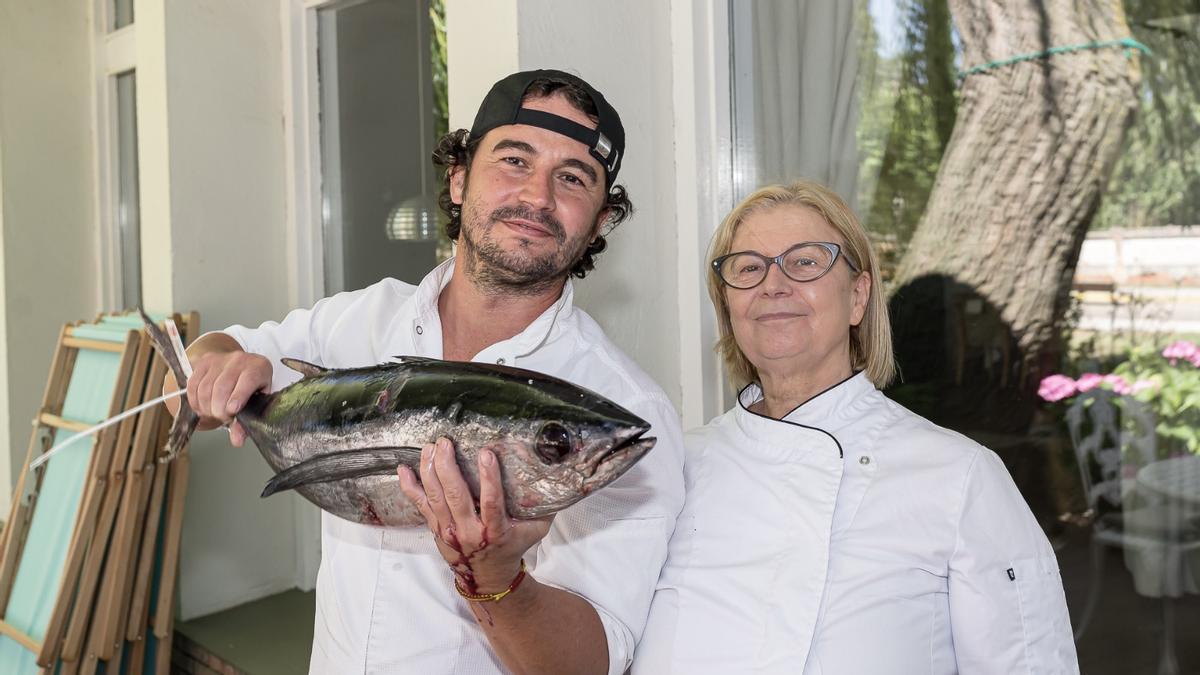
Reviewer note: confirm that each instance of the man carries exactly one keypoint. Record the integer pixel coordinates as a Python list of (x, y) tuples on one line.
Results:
[(529, 191)]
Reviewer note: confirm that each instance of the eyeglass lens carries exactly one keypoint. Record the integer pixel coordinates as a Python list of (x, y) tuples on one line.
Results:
[(802, 263)]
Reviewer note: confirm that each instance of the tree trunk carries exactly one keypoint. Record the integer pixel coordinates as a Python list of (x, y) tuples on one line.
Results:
[(1032, 149)]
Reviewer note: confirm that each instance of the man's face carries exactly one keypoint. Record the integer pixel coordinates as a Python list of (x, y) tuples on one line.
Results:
[(532, 204)]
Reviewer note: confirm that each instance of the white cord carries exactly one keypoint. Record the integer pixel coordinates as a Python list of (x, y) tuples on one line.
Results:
[(106, 423)]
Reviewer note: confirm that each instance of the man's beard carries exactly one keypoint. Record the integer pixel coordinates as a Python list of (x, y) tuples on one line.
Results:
[(515, 272)]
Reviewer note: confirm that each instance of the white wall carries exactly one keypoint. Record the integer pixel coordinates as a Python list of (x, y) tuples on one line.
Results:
[(7, 458), (49, 237), (619, 47), (647, 287), (210, 99)]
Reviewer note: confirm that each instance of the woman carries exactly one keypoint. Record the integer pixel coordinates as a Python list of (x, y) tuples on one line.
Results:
[(828, 529)]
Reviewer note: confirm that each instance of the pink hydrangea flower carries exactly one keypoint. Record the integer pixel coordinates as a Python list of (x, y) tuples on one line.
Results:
[(1118, 384), (1182, 349), (1143, 385), (1056, 388), (1088, 381)]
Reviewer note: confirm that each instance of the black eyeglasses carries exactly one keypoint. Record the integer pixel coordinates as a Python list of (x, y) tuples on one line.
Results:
[(806, 261)]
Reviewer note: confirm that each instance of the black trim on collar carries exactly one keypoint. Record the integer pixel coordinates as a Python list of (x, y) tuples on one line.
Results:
[(819, 393), (841, 454)]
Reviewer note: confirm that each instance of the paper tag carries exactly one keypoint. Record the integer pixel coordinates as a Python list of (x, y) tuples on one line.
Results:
[(177, 344)]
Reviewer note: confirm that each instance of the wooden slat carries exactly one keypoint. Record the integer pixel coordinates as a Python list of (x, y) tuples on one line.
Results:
[(20, 638), (114, 664), (162, 661), (139, 606), (176, 493), (164, 620), (81, 613), (143, 488), (88, 664), (19, 513), (65, 668), (144, 391), (19, 518), (109, 613), (56, 422), (139, 612), (139, 600), (59, 379), (134, 343), (135, 665), (62, 365), (94, 345)]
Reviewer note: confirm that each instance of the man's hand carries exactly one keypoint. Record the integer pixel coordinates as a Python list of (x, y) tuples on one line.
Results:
[(484, 549), (223, 378)]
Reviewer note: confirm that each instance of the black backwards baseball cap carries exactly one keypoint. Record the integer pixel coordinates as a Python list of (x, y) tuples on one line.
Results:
[(502, 106)]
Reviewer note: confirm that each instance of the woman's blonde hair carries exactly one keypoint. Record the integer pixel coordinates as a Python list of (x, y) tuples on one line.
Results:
[(870, 340)]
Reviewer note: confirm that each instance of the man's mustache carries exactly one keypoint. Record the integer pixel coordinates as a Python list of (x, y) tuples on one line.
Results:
[(524, 213)]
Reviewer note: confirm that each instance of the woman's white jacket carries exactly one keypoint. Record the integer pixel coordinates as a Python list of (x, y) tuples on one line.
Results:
[(853, 536)]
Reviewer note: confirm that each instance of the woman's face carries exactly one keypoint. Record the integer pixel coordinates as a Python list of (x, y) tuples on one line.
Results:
[(783, 325)]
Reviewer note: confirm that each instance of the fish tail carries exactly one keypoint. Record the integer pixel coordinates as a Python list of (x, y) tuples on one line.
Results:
[(186, 419)]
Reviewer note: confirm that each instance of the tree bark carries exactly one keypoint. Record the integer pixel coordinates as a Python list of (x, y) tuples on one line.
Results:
[(1031, 152)]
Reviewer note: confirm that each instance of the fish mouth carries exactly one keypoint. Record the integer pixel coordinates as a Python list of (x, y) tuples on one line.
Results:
[(612, 464)]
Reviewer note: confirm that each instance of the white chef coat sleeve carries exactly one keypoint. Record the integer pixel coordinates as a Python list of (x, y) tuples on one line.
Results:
[(299, 336), (1008, 613), (610, 547)]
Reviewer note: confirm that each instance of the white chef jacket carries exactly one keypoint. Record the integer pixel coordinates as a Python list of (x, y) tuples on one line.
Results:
[(385, 597), (852, 537)]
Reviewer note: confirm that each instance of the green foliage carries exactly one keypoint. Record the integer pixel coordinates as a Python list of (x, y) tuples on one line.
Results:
[(909, 102), (1155, 181), (441, 95), (1171, 389), (907, 113)]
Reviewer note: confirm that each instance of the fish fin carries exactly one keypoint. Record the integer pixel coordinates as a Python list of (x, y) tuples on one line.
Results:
[(401, 358), (186, 419), (341, 465), (304, 367)]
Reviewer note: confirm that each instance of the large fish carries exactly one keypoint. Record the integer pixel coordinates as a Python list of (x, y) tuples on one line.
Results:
[(338, 436)]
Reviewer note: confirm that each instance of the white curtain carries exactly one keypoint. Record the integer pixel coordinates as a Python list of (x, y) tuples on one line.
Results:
[(795, 93)]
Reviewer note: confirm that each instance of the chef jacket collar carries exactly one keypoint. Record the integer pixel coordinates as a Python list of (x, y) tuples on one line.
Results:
[(828, 412), (540, 331)]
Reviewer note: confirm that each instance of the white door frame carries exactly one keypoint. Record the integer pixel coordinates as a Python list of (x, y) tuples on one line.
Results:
[(704, 189), (304, 212), (113, 53)]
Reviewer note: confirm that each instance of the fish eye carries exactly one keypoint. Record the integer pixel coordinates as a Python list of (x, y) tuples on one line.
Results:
[(553, 442)]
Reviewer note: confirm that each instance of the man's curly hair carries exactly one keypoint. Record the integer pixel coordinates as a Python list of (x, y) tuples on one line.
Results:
[(457, 149)]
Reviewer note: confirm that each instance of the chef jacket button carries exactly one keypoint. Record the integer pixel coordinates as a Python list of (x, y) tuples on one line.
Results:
[(420, 330), (499, 362), (864, 460)]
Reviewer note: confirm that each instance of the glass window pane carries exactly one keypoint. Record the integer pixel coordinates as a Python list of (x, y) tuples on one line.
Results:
[(379, 119), (127, 213), (1038, 244), (122, 12)]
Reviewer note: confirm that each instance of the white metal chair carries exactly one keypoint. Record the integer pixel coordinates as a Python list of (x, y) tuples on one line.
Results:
[(1112, 442)]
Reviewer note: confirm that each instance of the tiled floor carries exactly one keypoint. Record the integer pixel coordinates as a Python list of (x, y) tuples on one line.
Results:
[(271, 636)]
